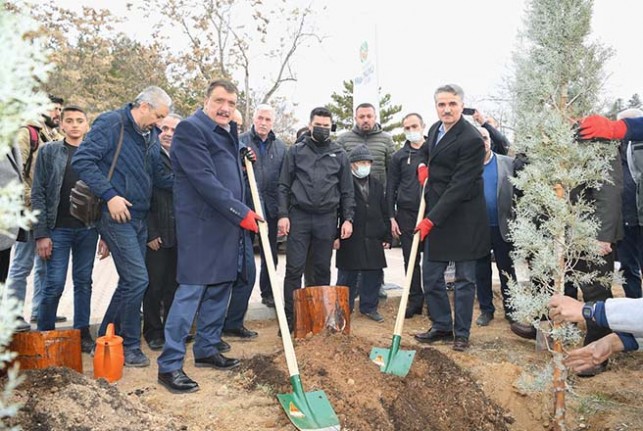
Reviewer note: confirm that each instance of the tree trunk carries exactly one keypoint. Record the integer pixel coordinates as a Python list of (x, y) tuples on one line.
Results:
[(321, 307), (42, 349)]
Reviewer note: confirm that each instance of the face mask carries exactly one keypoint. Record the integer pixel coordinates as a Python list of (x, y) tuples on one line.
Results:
[(321, 134), (362, 171), (413, 136)]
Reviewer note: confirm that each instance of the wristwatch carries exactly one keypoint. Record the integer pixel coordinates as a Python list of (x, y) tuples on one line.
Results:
[(588, 310)]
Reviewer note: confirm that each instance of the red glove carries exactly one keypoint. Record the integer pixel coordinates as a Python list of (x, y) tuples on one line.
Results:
[(424, 228), (423, 173), (596, 126), (250, 222), (248, 153)]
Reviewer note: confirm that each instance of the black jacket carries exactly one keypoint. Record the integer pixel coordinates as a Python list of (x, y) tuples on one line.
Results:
[(160, 219), (267, 168), (499, 143), (403, 188), (363, 250), (316, 179)]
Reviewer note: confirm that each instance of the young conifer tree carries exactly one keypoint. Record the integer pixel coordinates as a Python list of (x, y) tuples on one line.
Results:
[(558, 75), (21, 70)]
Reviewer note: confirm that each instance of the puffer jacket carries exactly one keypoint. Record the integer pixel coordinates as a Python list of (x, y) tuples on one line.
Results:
[(378, 142)]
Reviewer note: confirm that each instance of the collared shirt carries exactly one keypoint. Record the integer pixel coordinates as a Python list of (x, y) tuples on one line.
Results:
[(441, 132)]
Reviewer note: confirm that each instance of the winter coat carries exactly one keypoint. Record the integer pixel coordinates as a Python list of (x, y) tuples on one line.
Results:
[(378, 142), (316, 179), (403, 188), (499, 143), (455, 195), (505, 194), (267, 168), (363, 250), (209, 191), (138, 167), (161, 222)]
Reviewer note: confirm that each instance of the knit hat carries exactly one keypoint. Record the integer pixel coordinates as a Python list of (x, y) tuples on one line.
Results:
[(359, 153)]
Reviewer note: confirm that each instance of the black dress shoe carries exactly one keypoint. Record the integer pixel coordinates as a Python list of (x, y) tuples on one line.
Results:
[(217, 361), (178, 382), (268, 302), (524, 331), (484, 319), (222, 346), (156, 344), (434, 335), (460, 344), (242, 332)]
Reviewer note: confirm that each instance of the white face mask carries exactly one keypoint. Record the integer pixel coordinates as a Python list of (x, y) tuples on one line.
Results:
[(362, 171), (413, 136)]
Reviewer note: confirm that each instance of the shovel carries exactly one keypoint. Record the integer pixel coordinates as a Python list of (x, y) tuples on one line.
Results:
[(307, 411), (394, 360)]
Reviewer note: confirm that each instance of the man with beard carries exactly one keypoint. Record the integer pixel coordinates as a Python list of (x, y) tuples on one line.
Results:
[(29, 139)]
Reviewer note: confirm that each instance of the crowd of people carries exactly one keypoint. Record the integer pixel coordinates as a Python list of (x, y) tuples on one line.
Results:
[(179, 223)]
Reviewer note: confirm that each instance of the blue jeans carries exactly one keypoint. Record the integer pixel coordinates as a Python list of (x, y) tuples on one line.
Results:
[(127, 243), (630, 254), (211, 301), (23, 262), (82, 245), (368, 288), (438, 299)]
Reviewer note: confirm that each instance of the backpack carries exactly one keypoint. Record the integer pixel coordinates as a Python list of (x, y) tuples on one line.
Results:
[(34, 142)]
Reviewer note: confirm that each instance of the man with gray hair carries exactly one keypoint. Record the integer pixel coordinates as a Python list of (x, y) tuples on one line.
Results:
[(123, 224)]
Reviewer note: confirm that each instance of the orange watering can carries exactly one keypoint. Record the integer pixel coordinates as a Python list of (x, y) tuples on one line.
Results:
[(109, 357)]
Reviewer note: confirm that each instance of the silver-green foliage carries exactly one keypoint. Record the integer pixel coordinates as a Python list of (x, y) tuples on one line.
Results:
[(558, 75), (22, 69)]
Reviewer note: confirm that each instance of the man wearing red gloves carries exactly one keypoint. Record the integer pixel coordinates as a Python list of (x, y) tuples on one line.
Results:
[(456, 225), (212, 224), (597, 127)]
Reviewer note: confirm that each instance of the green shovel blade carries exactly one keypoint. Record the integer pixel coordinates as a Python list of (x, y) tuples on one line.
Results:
[(393, 360), (308, 411)]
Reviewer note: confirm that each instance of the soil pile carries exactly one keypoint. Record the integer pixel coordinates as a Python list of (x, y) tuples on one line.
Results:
[(57, 399), (436, 395)]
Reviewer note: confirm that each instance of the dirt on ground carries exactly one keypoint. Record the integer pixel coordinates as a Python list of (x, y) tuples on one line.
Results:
[(445, 390)]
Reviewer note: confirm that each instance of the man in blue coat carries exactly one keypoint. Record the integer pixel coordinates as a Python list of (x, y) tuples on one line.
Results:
[(211, 229)]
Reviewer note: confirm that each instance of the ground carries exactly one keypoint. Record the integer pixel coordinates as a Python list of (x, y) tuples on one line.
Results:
[(445, 390)]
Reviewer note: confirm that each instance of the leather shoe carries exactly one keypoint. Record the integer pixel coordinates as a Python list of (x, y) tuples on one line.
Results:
[(484, 319), (374, 315), (156, 344), (22, 326), (178, 382), (268, 302), (217, 361), (523, 331), (410, 312), (242, 332), (433, 335), (222, 346), (460, 344)]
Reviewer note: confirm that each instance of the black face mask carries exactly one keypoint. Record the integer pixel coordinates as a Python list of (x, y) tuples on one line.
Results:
[(321, 134)]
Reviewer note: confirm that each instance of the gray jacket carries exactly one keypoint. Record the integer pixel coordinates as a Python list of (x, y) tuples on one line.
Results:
[(505, 194), (378, 142), (10, 170)]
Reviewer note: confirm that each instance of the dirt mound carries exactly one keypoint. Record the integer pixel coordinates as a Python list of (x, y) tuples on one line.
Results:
[(61, 399), (436, 395)]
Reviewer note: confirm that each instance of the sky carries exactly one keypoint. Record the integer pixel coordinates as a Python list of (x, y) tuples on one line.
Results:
[(423, 44)]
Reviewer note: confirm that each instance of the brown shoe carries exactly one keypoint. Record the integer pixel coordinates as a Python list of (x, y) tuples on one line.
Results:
[(460, 344), (524, 331)]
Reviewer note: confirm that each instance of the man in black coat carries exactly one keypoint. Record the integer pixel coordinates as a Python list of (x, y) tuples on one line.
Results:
[(456, 217)]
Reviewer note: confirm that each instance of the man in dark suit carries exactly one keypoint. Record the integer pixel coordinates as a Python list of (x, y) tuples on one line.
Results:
[(456, 217), (498, 193), (212, 224)]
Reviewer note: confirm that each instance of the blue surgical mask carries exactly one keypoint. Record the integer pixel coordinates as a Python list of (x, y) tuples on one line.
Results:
[(413, 136), (362, 171)]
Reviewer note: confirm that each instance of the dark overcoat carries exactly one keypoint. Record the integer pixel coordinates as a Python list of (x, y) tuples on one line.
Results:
[(363, 250), (208, 201), (455, 195)]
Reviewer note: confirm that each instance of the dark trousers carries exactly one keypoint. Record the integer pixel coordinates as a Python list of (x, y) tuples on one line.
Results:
[(264, 280), (369, 288), (504, 263), (437, 298), (241, 291), (406, 221), (311, 236), (5, 259), (211, 302), (161, 270), (630, 254), (593, 292)]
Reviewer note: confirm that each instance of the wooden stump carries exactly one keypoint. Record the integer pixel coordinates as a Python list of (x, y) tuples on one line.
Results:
[(42, 349), (318, 308)]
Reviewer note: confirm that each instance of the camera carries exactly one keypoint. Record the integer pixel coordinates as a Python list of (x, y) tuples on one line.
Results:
[(468, 111)]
